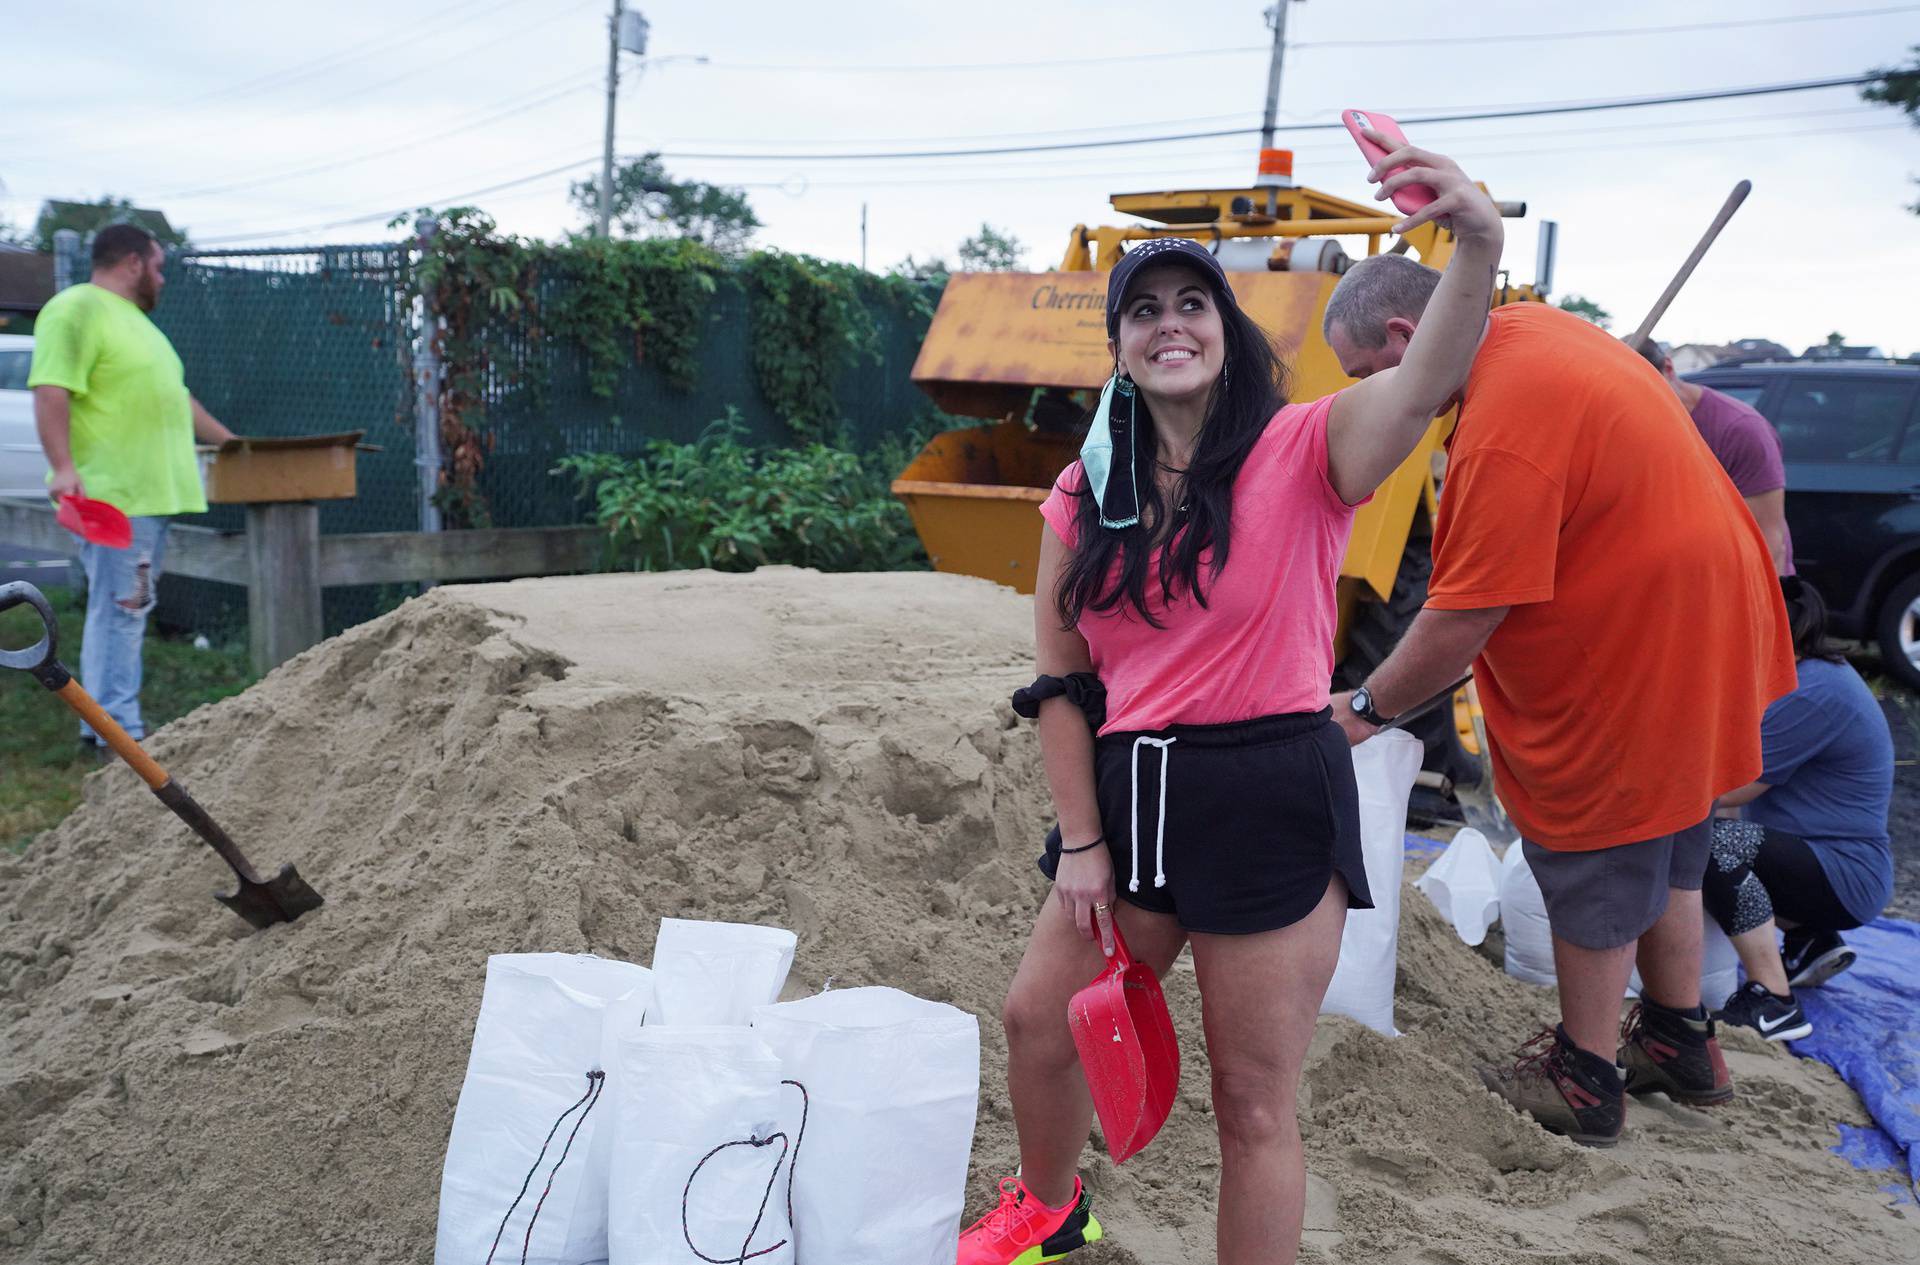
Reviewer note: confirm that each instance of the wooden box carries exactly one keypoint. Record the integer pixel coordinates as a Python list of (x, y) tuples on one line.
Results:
[(252, 471)]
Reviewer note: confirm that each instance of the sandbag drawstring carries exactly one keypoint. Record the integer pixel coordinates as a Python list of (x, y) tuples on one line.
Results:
[(1160, 831)]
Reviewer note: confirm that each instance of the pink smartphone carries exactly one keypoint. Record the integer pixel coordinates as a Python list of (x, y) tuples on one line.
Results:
[(1408, 198)]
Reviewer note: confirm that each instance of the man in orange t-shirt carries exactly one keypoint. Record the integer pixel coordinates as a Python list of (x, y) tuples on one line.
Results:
[(1619, 607)]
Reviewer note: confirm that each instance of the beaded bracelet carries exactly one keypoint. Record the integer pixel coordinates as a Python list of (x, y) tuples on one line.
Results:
[(1085, 847)]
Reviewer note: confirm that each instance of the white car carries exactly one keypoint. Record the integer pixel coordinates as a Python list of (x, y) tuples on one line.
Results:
[(23, 466)]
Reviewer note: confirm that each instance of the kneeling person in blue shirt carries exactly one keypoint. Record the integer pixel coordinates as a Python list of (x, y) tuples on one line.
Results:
[(1809, 852)]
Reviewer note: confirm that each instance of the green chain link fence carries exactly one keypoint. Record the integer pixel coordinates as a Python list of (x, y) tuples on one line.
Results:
[(292, 342), (322, 339)]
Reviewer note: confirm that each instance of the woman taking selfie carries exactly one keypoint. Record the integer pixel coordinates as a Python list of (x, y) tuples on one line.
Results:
[(1188, 563)]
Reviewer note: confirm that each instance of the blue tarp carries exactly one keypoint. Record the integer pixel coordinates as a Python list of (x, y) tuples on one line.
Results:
[(1866, 1025)]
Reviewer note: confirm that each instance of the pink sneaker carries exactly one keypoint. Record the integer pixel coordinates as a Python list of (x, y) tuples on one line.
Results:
[(1024, 1231)]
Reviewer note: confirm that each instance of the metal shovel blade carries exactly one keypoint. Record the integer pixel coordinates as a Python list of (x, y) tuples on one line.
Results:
[(281, 898), (1480, 806), (1483, 812)]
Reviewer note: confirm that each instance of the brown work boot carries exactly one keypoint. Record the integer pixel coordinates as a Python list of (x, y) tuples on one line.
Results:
[(1674, 1053), (1566, 1089)]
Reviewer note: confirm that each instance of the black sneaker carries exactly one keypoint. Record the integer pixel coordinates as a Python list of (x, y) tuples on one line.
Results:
[(1814, 957), (1773, 1017)]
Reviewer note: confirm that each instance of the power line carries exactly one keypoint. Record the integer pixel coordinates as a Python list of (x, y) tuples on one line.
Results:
[(326, 62), (1608, 32), (1465, 156), (1144, 164), (1050, 63), (976, 136), (1049, 177), (296, 72), (384, 216), (575, 84), (226, 222), (410, 74), (1536, 37), (1519, 112)]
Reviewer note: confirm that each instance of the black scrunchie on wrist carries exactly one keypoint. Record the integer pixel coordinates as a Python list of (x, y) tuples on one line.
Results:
[(1082, 689), (1085, 847)]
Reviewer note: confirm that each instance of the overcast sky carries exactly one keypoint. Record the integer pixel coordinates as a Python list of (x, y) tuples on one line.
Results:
[(270, 123)]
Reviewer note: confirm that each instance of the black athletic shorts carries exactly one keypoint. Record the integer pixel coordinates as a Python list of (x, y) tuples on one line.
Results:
[(1233, 828)]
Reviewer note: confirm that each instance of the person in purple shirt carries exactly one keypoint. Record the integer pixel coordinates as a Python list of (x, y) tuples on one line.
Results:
[(1747, 448)]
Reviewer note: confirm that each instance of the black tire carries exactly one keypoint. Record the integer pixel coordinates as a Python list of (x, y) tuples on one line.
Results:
[(1376, 629), (1902, 607)]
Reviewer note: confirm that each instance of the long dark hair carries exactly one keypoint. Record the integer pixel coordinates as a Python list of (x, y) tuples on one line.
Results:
[(1807, 620), (1251, 387)]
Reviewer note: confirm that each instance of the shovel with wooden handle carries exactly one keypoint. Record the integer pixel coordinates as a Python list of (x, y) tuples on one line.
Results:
[(1644, 332), (282, 898)]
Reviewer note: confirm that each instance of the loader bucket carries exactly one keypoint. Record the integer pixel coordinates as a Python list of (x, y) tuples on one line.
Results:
[(974, 496)]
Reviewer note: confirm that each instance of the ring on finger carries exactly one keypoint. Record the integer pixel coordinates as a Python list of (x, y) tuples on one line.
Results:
[(1102, 907)]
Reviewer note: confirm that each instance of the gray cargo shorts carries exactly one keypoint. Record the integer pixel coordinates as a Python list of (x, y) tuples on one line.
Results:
[(1612, 896)]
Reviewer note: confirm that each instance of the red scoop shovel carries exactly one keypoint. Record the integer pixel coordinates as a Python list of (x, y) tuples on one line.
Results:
[(95, 522), (1127, 1049)]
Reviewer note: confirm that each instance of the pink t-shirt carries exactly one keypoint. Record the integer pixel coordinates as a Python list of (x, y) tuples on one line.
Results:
[(1263, 644)]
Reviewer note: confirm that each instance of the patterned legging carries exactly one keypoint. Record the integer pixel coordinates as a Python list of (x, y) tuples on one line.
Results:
[(1756, 874)]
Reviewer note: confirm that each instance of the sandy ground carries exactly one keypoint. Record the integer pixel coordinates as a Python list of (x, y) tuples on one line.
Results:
[(554, 765)]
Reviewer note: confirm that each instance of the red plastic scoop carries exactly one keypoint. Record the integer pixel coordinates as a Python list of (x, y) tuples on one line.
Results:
[(1127, 1049), (95, 522)]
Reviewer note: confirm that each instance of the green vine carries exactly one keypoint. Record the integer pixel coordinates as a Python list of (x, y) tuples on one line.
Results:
[(648, 299), (806, 325), (474, 279), (507, 305)]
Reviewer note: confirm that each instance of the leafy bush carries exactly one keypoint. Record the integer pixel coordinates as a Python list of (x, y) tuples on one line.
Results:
[(722, 504)]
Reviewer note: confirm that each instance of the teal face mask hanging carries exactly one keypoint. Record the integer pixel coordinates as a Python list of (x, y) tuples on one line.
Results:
[(1107, 455)]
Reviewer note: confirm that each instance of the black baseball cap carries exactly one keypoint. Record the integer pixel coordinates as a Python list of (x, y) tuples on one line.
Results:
[(1162, 250)]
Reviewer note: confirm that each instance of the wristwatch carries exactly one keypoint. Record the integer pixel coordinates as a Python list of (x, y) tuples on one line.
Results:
[(1362, 704)]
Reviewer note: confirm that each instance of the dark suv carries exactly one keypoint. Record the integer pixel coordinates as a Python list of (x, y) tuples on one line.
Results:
[(1851, 434)]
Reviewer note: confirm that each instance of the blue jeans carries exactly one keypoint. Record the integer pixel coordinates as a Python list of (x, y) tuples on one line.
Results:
[(121, 588)]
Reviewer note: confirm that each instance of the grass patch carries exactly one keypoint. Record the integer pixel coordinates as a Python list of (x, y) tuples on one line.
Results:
[(41, 763)]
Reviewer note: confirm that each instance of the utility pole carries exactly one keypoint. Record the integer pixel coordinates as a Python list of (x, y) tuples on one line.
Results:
[(613, 94), (1277, 19), (863, 237)]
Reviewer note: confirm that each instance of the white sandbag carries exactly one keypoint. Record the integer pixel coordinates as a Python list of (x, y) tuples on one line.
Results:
[(715, 973), (893, 1086), (704, 1139), (1362, 988), (526, 1166), (1719, 966), (1464, 885), (1523, 920)]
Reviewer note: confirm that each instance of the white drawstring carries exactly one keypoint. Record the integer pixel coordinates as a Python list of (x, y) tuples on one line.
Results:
[(1160, 832)]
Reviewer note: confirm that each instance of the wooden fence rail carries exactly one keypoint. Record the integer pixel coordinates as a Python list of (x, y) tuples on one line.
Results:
[(284, 562)]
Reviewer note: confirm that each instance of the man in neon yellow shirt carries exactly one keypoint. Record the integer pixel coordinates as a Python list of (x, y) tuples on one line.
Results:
[(118, 424)]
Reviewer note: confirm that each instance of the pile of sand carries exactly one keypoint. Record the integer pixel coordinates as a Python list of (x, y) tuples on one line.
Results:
[(557, 764)]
